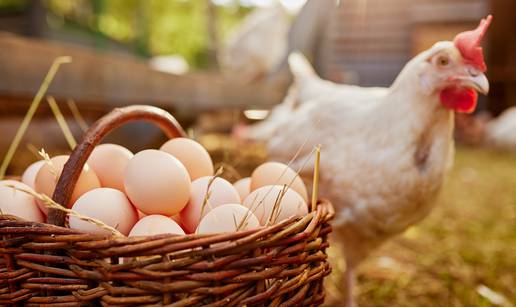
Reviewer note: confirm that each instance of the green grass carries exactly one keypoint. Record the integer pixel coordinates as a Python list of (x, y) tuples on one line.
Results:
[(467, 241)]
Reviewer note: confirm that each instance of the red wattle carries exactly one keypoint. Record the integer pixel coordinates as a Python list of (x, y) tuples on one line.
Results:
[(459, 99)]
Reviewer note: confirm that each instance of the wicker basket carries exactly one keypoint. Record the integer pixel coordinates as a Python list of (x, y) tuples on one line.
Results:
[(50, 265)]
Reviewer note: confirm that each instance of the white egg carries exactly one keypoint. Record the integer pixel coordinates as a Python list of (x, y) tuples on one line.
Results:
[(275, 173), (243, 187), (29, 176), (108, 205), (19, 203), (228, 218), (220, 192), (156, 224), (273, 203)]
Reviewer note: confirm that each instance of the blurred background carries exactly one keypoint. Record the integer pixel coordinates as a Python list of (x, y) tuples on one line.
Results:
[(215, 63)]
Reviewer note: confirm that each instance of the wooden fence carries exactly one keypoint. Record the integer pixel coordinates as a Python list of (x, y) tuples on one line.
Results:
[(101, 81)]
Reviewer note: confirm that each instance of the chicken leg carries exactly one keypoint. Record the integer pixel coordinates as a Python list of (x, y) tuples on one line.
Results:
[(350, 286)]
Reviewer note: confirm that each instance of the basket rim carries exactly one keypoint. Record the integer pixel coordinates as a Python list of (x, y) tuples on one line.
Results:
[(6, 220)]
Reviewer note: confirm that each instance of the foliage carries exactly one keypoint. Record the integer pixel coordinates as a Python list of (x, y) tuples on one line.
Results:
[(152, 27), (7, 5)]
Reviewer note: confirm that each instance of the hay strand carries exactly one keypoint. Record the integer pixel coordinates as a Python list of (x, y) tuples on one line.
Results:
[(315, 187), (61, 121), (79, 119), (32, 110), (49, 202)]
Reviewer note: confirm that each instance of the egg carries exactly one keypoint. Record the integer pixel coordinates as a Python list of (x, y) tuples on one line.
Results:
[(221, 192), (108, 205), (243, 187), (275, 173), (29, 176), (109, 162), (193, 156), (261, 202), (19, 203), (228, 218), (46, 180), (157, 183), (156, 224), (175, 217), (141, 215)]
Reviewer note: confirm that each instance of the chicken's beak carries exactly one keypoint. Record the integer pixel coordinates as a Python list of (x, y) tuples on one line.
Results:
[(477, 81)]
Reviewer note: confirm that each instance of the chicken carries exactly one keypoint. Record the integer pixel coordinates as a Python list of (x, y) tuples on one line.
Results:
[(243, 53), (471, 129), (500, 132), (385, 151), (483, 130)]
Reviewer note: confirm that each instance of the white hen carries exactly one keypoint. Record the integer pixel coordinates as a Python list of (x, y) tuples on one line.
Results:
[(385, 150)]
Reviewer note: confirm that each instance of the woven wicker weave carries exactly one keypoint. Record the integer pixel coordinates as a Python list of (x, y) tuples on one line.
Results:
[(48, 265)]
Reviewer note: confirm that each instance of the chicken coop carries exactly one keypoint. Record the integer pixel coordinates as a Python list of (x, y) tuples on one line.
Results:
[(367, 42)]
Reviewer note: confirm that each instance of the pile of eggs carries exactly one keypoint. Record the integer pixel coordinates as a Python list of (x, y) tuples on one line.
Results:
[(170, 190)]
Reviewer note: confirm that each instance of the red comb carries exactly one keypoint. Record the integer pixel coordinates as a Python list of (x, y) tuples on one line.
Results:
[(468, 44)]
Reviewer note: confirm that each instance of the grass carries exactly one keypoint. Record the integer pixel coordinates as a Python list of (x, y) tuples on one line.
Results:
[(469, 240)]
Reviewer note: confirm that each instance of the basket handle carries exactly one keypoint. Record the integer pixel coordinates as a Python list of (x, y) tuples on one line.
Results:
[(107, 123)]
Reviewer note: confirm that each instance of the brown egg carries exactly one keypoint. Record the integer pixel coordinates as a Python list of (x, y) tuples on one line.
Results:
[(155, 224), (275, 173), (262, 203), (243, 187), (19, 203), (108, 205), (228, 218), (109, 162), (193, 156), (157, 183), (46, 180), (29, 176)]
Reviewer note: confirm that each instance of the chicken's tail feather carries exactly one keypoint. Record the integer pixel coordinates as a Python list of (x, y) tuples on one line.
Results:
[(300, 66)]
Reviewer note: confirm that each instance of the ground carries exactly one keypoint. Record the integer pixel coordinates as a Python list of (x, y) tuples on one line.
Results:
[(466, 244)]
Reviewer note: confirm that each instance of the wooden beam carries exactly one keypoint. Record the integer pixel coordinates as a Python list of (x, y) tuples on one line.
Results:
[(112, 80)]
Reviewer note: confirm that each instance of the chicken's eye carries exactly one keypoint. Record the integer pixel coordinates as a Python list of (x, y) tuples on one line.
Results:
[(442, 61)]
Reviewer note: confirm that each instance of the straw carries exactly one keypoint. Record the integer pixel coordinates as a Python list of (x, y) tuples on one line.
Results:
[(32, 148), (77, 115), (30, 113), (43, 154), (49, 202), (276, 209), (307, 159), (61, 121), (315, 187), (205, 201)]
